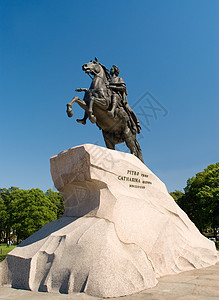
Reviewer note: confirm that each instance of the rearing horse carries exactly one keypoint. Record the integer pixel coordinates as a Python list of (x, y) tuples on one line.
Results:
[(97, 102)]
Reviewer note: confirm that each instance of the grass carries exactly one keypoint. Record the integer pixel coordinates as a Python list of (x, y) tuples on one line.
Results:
[(4, 250)]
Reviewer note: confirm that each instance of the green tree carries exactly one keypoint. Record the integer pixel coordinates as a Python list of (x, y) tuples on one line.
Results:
[(32, 210), (57, 199), (177, 195), (25, 211), (6, 211), (3, 216), (201, 198)]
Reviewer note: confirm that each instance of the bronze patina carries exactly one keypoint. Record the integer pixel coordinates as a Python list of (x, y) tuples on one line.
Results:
[(105, 103)]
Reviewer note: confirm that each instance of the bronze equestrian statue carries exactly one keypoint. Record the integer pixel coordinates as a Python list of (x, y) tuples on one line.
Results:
[(105, 104)]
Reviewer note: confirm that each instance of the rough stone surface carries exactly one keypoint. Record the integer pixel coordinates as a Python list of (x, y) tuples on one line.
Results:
[(121, 230), (201, 284)]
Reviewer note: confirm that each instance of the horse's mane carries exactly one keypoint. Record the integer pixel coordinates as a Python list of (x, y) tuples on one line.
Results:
[(106, 71)]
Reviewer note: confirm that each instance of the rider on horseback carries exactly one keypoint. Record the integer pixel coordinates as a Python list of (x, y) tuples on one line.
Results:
[(118, 100), (106, 105)]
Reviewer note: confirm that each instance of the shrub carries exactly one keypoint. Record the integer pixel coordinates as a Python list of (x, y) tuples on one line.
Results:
[(2, 257)]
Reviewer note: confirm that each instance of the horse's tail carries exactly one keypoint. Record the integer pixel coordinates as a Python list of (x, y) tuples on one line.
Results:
[(138, 150)]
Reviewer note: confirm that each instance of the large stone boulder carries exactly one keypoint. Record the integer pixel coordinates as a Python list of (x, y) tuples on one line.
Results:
[(121, 230)]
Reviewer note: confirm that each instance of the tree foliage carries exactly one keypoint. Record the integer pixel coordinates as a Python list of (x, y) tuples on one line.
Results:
[(177, 195), (58, 200), (26, 211), (201, 198)]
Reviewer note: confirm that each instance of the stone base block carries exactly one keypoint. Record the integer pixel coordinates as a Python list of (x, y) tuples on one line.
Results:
[(121, 230)]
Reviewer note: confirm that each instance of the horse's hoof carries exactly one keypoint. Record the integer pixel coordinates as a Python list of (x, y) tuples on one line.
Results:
[(70, 113), (93, 119), (81, 121)]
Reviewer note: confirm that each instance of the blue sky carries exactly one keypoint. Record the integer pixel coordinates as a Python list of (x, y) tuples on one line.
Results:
[(166, 48)]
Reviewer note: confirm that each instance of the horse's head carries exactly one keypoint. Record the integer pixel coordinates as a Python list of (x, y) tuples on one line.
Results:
[(93, 67)]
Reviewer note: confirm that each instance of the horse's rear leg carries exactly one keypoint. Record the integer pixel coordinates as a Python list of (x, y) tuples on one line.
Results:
[(132, 144), (138, 150), (108, 138)]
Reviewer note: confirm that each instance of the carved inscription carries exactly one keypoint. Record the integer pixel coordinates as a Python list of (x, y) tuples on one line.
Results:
[(136, 179)]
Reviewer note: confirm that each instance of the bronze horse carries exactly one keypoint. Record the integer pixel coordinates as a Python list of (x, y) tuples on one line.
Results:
[(97, 102)]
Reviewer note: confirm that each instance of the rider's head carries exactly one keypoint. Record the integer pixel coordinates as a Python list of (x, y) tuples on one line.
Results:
[(114, 70)]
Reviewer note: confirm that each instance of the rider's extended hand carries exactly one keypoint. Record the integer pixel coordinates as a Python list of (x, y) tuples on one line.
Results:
[(81, 90)]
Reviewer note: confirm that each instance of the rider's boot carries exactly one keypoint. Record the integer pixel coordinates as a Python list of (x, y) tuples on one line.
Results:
[(111, 113), (92, 118)]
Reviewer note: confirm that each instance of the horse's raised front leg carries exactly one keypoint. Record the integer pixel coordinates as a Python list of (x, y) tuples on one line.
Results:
[(103, 103), (69, 107), (76, 99), (92, 118)]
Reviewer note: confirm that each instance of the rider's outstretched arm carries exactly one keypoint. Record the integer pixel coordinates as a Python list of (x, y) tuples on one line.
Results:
[(81, 90)]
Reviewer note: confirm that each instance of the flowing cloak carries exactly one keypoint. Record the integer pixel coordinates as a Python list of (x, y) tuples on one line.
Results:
[(133, 121)]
